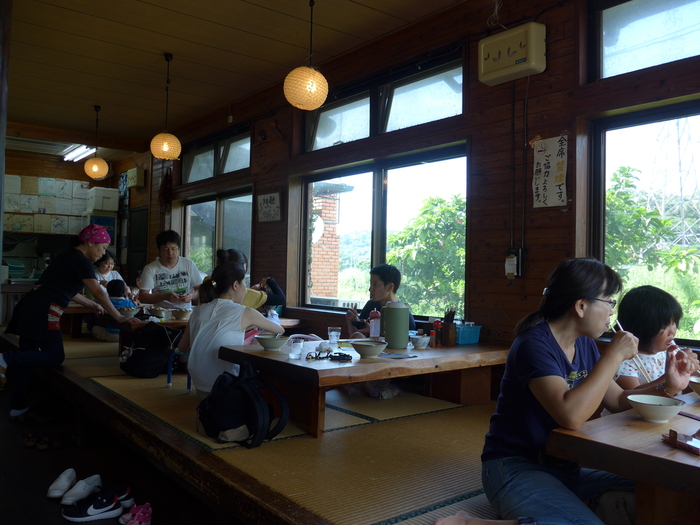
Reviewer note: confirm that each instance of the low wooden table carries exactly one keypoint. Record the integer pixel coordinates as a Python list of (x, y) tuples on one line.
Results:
[(460, 374), (668, 479), (72, 319)]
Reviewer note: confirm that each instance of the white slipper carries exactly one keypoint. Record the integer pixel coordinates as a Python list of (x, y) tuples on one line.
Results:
[(63, 482), (82, 489)]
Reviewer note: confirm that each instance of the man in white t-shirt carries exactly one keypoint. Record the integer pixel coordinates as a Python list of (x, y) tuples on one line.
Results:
[(170, 281)]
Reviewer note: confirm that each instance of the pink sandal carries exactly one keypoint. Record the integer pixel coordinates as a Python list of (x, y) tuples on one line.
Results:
[(138, 515)]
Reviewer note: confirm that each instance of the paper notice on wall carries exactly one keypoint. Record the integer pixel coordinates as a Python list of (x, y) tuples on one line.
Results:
[(549, 176)]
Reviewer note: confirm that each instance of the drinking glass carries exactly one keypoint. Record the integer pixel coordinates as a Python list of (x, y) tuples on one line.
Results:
[(297, 347), (334, 335)]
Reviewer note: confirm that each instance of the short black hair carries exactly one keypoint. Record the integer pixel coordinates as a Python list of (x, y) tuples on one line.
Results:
[(107, 255), (387, 273), (167, 236), (116, 288), (646, 310)]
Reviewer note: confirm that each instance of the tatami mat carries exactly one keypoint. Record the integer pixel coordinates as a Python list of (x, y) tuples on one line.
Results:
[(407, 460), (88, 346), (95, 366), (384, 409), (388, 471)]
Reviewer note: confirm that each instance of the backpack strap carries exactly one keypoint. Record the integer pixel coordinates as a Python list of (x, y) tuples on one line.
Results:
[(260, 412), (284, 410)]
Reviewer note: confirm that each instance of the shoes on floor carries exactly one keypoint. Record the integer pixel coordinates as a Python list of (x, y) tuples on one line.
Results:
[(138, 515), (126, 500), (82, 489), (18, 415), (62, 484), (99, 506)]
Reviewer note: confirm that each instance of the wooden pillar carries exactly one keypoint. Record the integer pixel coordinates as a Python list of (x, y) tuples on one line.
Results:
[(5, 22)]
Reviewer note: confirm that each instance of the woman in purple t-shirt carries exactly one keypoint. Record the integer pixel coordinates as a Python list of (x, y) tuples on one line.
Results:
[(555, 378)]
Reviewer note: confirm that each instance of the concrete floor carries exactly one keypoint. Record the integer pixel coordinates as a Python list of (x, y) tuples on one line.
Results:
[(27, 472)]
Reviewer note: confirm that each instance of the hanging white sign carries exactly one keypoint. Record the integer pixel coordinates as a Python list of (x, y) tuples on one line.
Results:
[(549, 175)]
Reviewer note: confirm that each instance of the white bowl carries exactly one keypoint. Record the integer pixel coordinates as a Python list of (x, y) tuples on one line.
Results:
[(656, 409), (128, 312), (695, 384), (420, 341), (271, 343), (368, 348)]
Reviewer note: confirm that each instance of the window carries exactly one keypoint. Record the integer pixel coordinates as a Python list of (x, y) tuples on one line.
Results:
[(410, 213), (390, 103), (651, 230), (431, 98), (637, 34), (339, 123), (224, 222), (216, 158)]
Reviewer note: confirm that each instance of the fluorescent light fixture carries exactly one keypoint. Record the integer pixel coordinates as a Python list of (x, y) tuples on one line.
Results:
[(80, 152)]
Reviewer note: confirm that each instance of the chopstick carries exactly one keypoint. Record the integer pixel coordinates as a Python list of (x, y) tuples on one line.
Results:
[(636, 359)]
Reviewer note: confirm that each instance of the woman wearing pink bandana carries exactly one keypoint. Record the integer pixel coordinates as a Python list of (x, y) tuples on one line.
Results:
[(36, 319)]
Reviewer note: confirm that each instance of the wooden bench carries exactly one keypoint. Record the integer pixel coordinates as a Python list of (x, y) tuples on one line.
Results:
[(460, 374)]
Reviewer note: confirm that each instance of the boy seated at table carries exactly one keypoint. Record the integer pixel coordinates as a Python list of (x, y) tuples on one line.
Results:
[(383, 285), (117, 291)]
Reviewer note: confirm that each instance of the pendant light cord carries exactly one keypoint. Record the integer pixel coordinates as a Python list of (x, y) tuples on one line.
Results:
[(97, 123), (168, 59), (311, 34)]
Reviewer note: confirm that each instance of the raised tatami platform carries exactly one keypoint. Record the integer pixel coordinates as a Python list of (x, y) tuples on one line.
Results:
[(405, 460)]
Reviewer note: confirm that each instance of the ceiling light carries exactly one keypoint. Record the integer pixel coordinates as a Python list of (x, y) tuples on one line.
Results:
[(305, 88), (79, 150), (165, 145), (96, 167)]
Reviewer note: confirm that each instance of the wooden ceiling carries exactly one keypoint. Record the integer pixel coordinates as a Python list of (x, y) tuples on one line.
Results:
[(68, 55)]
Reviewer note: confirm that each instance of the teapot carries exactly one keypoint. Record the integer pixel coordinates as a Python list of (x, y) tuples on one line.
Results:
[(394, 325)]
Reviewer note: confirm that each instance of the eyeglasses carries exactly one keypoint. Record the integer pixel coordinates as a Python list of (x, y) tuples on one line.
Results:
[(612, 303), (328, 354)]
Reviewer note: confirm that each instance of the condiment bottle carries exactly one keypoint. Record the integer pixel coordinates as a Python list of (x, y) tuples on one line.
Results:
[(432, 338), (438, 332), (374, 324)]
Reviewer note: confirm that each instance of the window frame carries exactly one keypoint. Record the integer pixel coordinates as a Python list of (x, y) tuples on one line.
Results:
[(596, 186), (218, 199), (378, 168), (216, 142), (380, 86), (595, 28)]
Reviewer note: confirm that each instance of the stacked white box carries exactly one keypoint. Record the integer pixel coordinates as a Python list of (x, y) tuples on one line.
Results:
[(103, 199)]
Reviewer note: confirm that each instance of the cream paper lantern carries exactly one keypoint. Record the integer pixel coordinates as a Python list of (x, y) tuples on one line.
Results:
[(96, 168), (166, 146), (305, 88)]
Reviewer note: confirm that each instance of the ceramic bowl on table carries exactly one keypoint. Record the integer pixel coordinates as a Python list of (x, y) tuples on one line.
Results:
[(162, 313), (656, 409), (420, 341), (368, 348), (695, 384), (128, 312), (271, 343), (182, 315)]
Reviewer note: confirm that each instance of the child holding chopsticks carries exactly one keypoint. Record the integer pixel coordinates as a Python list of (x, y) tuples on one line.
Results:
[(653, 316)]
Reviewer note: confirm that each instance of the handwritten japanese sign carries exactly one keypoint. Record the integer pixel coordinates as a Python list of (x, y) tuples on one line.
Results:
[(269, 207), (549, 176)]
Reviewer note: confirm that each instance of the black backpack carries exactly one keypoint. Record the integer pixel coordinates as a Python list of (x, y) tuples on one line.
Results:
[(236, 409), (150, 351)]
